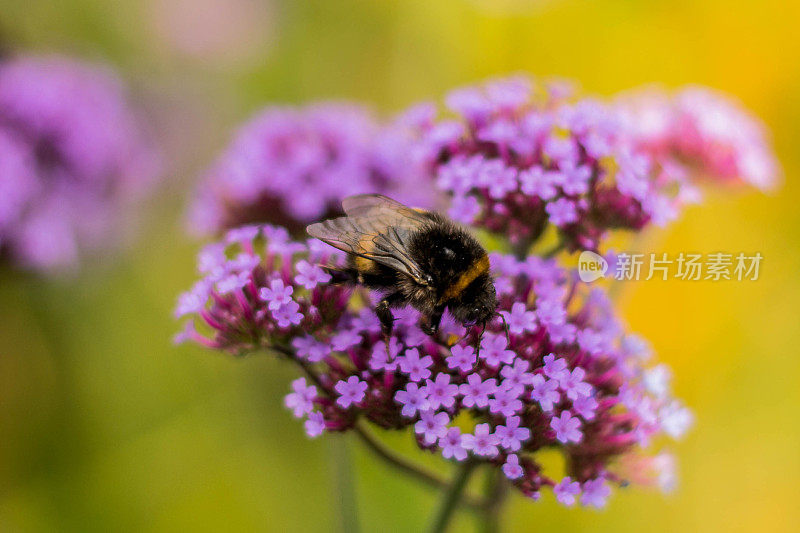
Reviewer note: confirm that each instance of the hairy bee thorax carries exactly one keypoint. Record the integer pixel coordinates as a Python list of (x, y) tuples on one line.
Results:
[(475, 270), (451, 257)]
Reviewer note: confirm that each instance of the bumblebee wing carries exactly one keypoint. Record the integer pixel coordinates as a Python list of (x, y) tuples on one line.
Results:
[(370, 204), (385, 210), (377, 233)]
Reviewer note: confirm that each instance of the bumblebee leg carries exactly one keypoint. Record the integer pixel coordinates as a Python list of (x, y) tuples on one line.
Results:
[(431, 327), (384, 312), (386, 318)]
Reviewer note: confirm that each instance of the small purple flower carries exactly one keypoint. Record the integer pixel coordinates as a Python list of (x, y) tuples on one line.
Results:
[(380, 360), (309, 276), (464, 209), (476, 391), (520, 319), (657, 380), (555, 368), (501, 181), (675, 419), (414, 399), (511, 468), (536, 182), (501, 132), (194, 300), (595, 493), (211, 258), (277, 294), (452, 446), (585, 406), (509, 93), (506, 402), (315, 425), (432, 426), (288, 315), (366, 321), (459, 174), (494, 352), (566, 491), (561, 333), (560, 149), (242, 234), (567, 428), (576, 180), (470, 102), (413, 366), (545, 391), (573, 385), (310, 349), (462, 358), (562, 212), (551, 312), (232, 282), (301, 401), (594, 342), (517, 375), (351, 391), (344, 340), (482, 442), (511, 434), (441, 393)]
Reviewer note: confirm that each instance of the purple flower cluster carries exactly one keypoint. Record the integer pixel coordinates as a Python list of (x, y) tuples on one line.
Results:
[(520, 157), (72, 154), (255, 293), (292, 166), (701, 132), (564, 377)]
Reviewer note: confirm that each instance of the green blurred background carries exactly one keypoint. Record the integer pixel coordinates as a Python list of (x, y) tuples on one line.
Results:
[(104, 425)]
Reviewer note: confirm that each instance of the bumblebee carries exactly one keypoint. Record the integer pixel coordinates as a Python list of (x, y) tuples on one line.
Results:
[(415, 257)]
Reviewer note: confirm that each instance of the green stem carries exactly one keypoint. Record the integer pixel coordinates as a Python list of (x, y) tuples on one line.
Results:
[(452, 497), (496, 491), (520, 250), (407, 467), (344, 484)]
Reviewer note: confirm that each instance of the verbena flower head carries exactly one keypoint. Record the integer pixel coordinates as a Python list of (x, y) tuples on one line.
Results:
[(294, 165), (72, 154), (701, 132), (567, 378), (518, 157)]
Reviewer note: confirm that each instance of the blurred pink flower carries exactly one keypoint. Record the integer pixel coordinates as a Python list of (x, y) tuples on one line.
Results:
[(220, 31), (293, 165), (702, 131), (72, 154)]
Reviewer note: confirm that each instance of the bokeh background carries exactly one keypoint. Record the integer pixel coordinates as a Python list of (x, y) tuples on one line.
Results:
[(106, 426)]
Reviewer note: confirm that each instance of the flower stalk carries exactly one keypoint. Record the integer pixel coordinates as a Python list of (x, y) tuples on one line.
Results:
[(452, 496)]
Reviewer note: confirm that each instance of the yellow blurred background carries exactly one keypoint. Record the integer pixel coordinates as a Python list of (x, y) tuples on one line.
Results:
[(105, 426)]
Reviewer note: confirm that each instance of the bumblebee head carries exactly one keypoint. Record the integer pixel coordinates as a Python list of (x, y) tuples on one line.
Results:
[(477, 303)]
